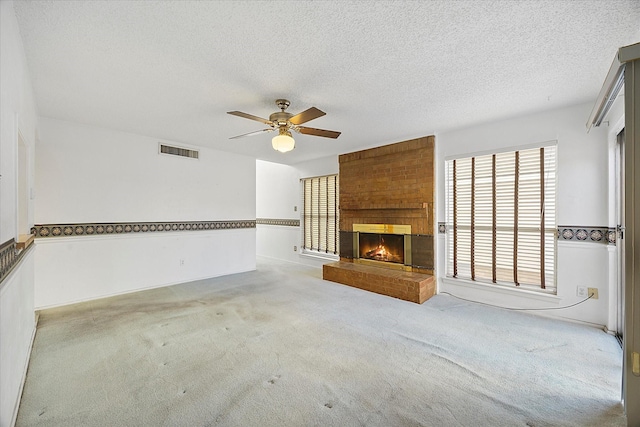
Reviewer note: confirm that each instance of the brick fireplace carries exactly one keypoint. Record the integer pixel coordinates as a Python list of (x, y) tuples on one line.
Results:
[(387, 220)]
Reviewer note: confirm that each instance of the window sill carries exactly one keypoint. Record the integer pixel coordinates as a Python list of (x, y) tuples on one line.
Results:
[(319, 256), (511, 291)]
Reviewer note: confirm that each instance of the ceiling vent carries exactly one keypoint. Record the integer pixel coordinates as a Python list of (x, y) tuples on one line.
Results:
[(178, 151)]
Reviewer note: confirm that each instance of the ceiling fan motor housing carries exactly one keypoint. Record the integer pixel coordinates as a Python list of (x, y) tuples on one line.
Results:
[(280, 118)]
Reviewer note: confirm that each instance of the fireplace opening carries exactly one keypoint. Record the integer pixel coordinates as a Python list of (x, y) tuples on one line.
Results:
[(382, 247), (388, 246)]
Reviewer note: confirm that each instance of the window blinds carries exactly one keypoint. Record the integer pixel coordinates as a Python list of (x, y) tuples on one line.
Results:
[(320, 216), (501, 214)]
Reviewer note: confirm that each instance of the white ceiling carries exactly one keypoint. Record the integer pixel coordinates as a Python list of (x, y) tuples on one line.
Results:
[(383, 71)]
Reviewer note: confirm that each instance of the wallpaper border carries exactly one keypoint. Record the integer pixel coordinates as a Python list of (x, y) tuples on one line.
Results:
[(576, 233), (278, 221), (115, 228)]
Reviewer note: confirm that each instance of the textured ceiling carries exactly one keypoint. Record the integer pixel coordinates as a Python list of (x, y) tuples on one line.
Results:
[(383, 71)]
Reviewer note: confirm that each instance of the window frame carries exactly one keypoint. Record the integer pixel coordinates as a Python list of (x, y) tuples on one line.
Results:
[(551, 286)]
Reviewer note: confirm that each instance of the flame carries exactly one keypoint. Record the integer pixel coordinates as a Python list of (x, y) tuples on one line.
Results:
[(379, 253)]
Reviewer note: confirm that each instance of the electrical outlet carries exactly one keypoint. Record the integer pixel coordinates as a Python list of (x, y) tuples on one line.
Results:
[(582, 291), (295, 249), (593, 292), (181, 262), (295, 209)]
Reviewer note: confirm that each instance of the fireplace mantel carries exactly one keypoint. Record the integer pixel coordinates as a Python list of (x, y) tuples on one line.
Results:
[(384, 206)]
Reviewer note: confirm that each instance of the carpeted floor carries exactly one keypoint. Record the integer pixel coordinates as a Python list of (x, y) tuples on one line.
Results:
[(281, 347)]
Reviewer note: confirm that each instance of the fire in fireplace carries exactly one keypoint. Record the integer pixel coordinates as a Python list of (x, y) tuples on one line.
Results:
[(384, 245)]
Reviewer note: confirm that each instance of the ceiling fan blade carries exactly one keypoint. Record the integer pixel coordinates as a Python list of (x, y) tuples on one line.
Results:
[(252, 133), (249, 116), (306, 115), (318, 132)]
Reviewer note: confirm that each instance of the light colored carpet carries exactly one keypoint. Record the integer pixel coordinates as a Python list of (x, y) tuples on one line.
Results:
[(281, 347)]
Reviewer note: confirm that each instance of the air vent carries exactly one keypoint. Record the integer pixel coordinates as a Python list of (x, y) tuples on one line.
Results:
[(178, 151)]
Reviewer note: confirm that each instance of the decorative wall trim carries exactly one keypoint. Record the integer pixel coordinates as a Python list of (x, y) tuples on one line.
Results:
[(604, 235), (10, 256), (99, 229), (277, 221), (442, 227)]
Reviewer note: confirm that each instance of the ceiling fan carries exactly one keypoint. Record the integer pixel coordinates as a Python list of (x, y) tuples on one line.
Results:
[(284, 123)]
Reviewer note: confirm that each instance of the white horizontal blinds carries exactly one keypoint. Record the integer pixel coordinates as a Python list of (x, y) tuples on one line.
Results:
[(321, 214), (483, 218), (536, 219), (505, 215), (550, 226), (308, 212), (319, 222), (503, 212), (331, 239), (462, 228)]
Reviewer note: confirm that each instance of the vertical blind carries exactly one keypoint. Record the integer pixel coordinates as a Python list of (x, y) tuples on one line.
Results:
[(501, 213), (320, 222)]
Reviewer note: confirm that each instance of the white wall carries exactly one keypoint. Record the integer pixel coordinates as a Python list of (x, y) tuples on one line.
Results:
[(583, 174), (17, 114), (318, 167), (277, 192), (17, 329), (74, 269), (89, 174)]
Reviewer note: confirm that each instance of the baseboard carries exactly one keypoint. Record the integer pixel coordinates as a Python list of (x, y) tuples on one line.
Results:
[(14, 417), (569, 319)]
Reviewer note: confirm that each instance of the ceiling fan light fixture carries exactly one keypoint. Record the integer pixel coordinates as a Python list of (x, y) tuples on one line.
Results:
[(283, 142), (284, 123)]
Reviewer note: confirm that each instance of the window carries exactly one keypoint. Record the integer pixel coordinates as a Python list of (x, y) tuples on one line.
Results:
[(501, 218), (320, 214)]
